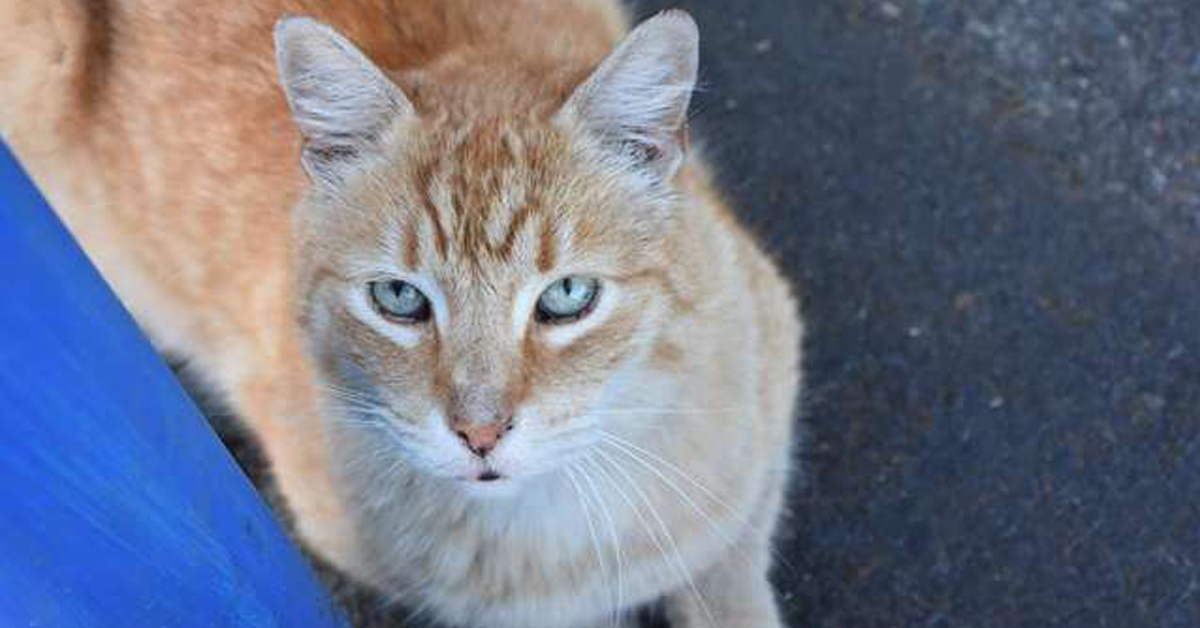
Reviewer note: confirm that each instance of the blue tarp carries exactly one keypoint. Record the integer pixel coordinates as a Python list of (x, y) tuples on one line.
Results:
[(118, 505)]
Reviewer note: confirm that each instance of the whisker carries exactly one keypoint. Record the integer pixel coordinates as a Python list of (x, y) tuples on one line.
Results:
[(616, 545), (645, 457), (621, 443), (348, 394), (646, 410), (416, 612), (354, 420), (587, 517), (637, 512), (645, 416), (729, 541), (678, 556)]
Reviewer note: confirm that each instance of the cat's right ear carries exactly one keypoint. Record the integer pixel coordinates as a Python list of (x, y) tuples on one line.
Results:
[(636, 101), (341, 101)]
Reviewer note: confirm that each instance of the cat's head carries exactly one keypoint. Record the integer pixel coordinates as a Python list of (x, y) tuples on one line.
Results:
[(476, 286)]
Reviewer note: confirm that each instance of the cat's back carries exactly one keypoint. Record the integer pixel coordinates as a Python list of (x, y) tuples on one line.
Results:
[(159, 132), (149, 90), (81, 56)]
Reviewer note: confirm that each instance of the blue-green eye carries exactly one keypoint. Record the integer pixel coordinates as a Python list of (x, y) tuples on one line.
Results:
[(567, 300), (399, 301)]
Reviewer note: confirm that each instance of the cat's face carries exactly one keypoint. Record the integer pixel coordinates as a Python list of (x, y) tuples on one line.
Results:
[(508, 316), (478, 290)]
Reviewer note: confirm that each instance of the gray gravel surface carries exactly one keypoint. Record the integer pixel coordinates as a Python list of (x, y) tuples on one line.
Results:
[(992, 209)]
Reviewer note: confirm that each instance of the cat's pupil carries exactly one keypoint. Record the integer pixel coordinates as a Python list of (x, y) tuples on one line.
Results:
[(567, 286)]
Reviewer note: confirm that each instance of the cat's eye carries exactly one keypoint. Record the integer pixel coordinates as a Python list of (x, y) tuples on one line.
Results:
[(567, 300), (399, 301)]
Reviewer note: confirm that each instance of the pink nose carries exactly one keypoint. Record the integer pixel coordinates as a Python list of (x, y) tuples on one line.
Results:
[(481, 438)]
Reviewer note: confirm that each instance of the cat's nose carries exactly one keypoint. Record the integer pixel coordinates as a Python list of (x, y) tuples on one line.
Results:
[(481, 438)]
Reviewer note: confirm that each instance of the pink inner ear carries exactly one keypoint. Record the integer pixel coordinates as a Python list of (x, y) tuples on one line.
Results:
[(637, 99), (341, 102)]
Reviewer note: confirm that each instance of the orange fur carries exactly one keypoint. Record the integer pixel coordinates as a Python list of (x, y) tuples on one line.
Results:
[(160, 132)]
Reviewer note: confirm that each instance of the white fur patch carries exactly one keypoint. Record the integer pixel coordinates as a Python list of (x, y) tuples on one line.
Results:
[(525, 306)]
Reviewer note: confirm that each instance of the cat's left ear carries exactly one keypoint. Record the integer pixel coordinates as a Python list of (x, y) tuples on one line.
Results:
[(341, 101), (636, 102)]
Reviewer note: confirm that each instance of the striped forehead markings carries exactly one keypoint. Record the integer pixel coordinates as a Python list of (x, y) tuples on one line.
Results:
[(474, 170)]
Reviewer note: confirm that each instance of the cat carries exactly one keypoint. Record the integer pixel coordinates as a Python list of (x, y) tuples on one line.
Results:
[(512, 359)]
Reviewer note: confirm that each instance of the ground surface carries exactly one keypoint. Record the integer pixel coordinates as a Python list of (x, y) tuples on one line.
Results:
[(992, 208)]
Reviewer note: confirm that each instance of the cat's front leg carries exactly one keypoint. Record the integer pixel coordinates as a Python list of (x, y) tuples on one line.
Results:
[(735, 592), (732, 594), (284, 415)]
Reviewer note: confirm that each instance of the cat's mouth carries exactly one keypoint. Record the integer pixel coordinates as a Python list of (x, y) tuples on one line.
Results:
[(490, 484), (489, 476), (486, 474)]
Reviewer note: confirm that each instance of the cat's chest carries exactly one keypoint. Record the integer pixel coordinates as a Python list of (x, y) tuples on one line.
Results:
[(563, 549), (573, 551), (546, 533)]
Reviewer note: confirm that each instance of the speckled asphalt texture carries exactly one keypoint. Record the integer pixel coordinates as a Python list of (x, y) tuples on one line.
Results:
[(992, 211)]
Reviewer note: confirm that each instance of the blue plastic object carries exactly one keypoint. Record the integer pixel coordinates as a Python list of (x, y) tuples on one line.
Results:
[(118, 505)]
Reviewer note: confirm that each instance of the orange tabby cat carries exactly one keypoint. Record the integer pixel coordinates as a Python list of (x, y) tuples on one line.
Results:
[(511, 358)]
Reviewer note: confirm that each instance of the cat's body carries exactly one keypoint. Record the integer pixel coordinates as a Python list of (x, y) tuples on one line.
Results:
[(160, 133)]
